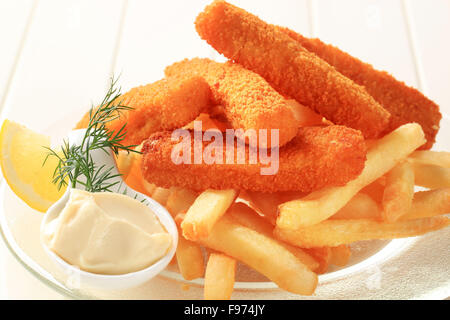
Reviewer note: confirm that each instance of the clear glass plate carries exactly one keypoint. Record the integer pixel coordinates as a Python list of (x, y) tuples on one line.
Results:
[(411, 268)]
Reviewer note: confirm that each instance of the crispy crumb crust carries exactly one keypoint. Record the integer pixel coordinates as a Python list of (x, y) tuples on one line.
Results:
[(317, 157), (166, 104), (289, 68), (249, 102), (405, 103)]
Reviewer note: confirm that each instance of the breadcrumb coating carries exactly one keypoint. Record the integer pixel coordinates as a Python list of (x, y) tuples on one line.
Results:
[(249, 101), (405, 103), (166, 104), (317, 157), (289, 68)]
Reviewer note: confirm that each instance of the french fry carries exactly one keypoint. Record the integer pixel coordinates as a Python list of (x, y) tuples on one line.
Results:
[(431, 176), (340, 255), (437, 158), (246, 216), (189, 256), (209, 206), (149, 187), (264, 254), (381, 157), (179, 200), (361, 206), (161, 195), (266, 204), (333, 233), (399, 192), (322, 255), (428, 204), (219, 277), (376, 189)]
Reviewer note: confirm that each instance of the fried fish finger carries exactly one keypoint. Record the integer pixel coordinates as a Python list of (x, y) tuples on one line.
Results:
[(405, 103), (249, 101), (166, 104), (289, 68), (315, 158)]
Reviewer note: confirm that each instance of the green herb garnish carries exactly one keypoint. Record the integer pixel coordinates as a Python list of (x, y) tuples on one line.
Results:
[(76, 161)]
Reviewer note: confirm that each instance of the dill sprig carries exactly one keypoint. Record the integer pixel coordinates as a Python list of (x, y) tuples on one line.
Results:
[(75, 163)]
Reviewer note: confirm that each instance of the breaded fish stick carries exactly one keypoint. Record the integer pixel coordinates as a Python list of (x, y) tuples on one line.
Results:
[(249, 101), (405, 104), (317, 157), (289, 68), (166, 104)]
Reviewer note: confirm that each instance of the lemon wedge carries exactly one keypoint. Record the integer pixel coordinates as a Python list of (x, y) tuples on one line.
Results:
[(22, 154)]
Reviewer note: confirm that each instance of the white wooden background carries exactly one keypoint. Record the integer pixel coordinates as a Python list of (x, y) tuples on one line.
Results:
[(61, 53)]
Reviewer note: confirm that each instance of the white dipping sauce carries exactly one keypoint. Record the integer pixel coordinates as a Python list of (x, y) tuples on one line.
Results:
[(107, 233)]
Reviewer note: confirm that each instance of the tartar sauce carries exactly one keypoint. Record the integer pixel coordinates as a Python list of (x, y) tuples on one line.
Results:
[(107, 233)]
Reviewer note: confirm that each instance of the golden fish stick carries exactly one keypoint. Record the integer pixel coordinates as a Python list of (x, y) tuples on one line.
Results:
[(289, 68), (405, 104), (249, 101), (317, 157), (162, 105)]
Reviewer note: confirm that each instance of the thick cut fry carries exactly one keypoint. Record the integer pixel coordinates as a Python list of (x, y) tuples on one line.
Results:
[(361, 206), (166, 104), (428, 204), (190, 259), (180, 200), (431, 176), (340, 255), (219, 277), (437, 158), (266, 204), (209, 206), (337, 232), (189, 255), (249, 101), (289, 68), (399, 192), (149, 187), (264, 254), (382, 157), (246, 216), (322, 255), (376, 189), (161, 195), (406, 104)]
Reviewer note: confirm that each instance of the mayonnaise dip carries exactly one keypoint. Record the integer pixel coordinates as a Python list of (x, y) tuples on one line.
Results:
[(107, 233)]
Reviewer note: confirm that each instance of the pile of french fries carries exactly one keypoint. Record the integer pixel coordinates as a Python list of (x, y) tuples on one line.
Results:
[(291, 237)]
